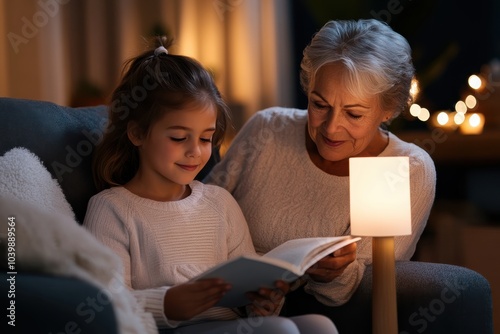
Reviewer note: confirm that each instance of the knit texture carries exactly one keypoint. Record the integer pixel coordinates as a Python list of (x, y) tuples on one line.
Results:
[(162, 244), (284, 196), (24, 177)]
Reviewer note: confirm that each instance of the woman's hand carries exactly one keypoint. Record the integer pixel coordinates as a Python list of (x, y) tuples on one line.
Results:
[(332, 266), (184, 301), (265, 301)]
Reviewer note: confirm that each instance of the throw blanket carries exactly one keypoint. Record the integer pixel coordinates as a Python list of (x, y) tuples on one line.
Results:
[(49, 240)]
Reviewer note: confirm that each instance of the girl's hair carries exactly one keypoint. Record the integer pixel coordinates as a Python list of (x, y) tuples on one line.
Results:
[(153, 83), (376, 58)]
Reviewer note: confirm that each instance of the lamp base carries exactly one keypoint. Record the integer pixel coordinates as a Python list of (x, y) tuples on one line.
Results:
[(384, 312)]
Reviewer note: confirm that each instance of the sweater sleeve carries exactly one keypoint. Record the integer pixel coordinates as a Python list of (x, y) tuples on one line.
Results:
[(107, 223), (423, 189)]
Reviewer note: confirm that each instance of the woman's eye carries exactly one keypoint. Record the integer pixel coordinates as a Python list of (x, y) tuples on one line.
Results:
[(354, 116), (320, 105), (206, 140)]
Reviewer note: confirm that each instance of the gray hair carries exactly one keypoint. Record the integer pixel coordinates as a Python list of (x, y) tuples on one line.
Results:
[(377, 59)]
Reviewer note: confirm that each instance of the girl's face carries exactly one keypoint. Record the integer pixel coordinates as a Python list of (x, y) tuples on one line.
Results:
[(340, 124), (178, 146)]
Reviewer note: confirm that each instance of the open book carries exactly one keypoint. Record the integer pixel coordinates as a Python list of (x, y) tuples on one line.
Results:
[(286, 262)]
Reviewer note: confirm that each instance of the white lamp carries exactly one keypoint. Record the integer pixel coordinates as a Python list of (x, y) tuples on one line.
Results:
[(380, 208)]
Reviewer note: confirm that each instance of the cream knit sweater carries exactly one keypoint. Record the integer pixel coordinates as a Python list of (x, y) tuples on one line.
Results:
[(162, 244), (283, 195)]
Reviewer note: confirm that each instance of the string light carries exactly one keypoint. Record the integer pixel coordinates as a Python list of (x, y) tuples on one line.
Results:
[(442, 118), (415, 110), (457, 118), (471, 101), (475, 82), (474, 120), (461, 107), (424, 114)]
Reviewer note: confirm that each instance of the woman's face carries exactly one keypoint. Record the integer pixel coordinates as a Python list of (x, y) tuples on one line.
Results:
[(340, 124)]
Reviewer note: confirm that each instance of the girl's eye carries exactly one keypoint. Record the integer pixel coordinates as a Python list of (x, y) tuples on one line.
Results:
[(177, 139)]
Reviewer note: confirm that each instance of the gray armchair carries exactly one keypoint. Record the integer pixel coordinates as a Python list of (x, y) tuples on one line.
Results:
[(431, 297)]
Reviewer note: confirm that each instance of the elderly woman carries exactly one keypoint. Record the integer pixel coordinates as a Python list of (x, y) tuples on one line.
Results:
[(289, 169)]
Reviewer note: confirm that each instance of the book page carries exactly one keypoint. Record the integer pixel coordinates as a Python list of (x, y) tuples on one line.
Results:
[(286, 262), (304, 252)]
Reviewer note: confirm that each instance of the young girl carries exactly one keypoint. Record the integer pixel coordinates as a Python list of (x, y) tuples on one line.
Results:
[(165, 117)]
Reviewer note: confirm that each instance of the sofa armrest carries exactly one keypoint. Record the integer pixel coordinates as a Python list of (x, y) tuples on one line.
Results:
[(51, 304), (432, 298)]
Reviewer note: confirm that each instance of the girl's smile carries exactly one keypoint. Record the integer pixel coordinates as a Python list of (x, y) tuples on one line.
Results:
[(174, 151)]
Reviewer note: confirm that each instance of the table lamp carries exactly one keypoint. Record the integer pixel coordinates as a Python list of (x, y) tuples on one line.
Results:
[(380, 208)]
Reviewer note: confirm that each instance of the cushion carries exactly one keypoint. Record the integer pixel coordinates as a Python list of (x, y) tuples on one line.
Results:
[(24, 177), (64, 139)]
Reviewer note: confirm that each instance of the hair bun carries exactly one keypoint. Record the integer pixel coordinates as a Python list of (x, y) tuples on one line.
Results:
[(159, 50)]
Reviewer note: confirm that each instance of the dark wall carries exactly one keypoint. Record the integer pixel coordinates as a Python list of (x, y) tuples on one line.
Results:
[(450, 39)]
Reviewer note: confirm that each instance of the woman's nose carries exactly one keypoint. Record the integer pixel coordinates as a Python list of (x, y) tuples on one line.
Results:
[(333, 122)]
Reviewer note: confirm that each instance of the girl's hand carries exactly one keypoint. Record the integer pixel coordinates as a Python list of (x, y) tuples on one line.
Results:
[(267, 301), (332, 266), (184, 301)]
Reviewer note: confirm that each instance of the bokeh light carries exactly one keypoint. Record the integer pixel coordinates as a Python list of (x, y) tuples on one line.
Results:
[(442, 118), (475, 82), (471, 101), (458, 118), (461, 107), (415, 110), (474, 120), (424, 114), (414, 89)]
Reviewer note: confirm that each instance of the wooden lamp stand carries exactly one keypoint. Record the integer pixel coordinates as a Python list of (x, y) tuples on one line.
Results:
[(384, 304)]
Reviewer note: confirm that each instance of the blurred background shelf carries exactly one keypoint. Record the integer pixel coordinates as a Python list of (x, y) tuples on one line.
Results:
[(452, 148)]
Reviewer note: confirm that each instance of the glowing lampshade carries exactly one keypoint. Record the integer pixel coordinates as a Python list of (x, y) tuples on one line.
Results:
[(380, 196)]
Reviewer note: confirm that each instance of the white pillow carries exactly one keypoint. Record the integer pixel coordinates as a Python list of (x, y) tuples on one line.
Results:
[(23, 176), (48, 239)]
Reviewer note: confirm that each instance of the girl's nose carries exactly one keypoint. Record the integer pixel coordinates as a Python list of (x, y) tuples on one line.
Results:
[(194, 150)]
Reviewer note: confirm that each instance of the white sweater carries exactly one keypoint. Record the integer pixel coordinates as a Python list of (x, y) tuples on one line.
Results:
[(162, 244), (283, 195)]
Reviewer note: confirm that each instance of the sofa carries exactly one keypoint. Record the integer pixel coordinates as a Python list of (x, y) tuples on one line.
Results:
[(432, 298)]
